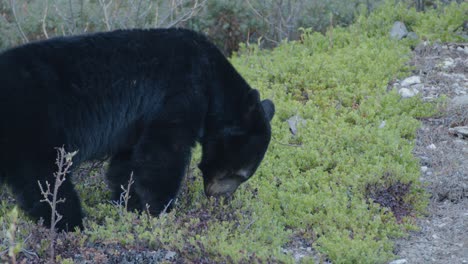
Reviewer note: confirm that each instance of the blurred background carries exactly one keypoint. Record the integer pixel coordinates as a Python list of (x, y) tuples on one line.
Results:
[(226, 22)]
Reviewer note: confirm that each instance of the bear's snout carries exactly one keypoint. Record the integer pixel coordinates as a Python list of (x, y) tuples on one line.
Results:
[(224, 187)]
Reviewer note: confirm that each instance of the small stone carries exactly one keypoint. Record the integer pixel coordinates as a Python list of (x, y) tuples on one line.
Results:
[(431, 146), (461, 131), (411, 81), (442, 225), (169, 255), (424, 168), (421, 47), (460, 101), (294, 122), (399, 261), (398, 30), (412, 35), (407, 93), (382, 125), (456, 87), (460, 49), (448, 63), (425, 158), (418, 86)]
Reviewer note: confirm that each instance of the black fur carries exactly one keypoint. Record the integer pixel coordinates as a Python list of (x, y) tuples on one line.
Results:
[(143, 97)]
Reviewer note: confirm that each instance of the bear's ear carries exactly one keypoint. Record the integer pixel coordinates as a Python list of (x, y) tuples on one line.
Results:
[(268, 108)]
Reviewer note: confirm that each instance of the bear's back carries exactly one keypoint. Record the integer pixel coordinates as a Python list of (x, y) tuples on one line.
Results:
[(59, 88)]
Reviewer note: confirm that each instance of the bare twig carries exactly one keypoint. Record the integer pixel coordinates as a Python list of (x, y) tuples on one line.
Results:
[(72, 24), (125, 195), (330, 32), (105, 9), (64, 163), (286, 144), (280, 25), (44, 19), (174, 19), (137, 13), (18, 25), (249, 225), (167, 207), (68, 19)]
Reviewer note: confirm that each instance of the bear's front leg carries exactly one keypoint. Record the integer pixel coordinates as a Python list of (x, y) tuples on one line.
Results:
[(120, 170), (161, 158), (24, 184)]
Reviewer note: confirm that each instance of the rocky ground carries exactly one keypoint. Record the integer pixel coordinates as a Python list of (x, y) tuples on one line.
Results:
[(442, 147)]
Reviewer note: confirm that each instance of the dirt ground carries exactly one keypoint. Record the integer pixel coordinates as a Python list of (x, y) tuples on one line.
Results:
[(442, 148)]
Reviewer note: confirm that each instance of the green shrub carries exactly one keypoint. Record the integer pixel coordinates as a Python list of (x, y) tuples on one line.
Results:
[(435, 24), (325, 186)]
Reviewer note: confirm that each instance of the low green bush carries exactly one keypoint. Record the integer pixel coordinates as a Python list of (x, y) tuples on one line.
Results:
[(346, 183)]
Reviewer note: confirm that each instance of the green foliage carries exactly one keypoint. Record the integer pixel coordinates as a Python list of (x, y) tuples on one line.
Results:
[(269, 22), (226, 22), (337, 83), (439, 24), (11, 235), (317, 186)]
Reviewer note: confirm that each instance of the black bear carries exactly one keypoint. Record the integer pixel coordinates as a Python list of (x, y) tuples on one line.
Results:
[(141, 97)]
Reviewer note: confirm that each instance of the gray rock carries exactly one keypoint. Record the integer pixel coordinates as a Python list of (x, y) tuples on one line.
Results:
[(412, 35), (460, 101), (407, 93), (411, 81), (293, 123), (398, 30), (448, 63), (461, 131), (424, 168), (421, 47), (418, 86), (431, 146), (170, 255), (399, 261)]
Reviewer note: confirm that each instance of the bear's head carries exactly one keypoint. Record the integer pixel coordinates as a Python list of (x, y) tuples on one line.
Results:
[(234, 155)]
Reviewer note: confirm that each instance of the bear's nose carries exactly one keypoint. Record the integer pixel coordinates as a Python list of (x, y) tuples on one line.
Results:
[(223, 187)]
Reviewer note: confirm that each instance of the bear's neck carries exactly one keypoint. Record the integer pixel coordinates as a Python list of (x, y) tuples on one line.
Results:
[(226, 96)]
